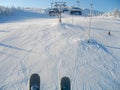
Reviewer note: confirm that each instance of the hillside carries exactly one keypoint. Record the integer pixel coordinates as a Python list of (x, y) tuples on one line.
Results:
[(53, 50)]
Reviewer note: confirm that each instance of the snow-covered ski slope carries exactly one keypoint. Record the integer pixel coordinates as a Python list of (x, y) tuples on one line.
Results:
[(53, 50)]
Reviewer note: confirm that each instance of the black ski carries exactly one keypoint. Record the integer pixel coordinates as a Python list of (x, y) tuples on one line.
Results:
[(65, 83), (34, 82)]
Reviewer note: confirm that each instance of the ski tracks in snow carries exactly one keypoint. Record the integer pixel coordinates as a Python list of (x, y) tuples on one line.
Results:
[(54, 51)]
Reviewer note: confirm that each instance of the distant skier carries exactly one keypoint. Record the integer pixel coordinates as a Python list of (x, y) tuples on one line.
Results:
[(109, 33)]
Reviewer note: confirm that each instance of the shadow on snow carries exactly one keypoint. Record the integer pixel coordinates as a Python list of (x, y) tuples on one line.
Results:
[(13, 47)]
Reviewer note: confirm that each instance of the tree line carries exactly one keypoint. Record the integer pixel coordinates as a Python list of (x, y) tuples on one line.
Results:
[(6, 11)]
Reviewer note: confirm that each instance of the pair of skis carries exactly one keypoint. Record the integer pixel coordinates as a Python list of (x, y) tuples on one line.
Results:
[(35, 83)]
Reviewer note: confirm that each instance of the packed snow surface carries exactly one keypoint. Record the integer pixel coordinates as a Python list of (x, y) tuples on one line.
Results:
[(53, 50)]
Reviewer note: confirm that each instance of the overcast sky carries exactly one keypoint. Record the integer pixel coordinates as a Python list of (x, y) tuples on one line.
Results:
[(101, 5)]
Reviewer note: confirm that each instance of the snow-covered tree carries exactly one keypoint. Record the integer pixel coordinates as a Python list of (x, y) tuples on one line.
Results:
[(114, 13)]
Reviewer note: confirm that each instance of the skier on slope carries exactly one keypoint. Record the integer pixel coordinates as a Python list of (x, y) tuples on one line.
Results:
[(109, 33)]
